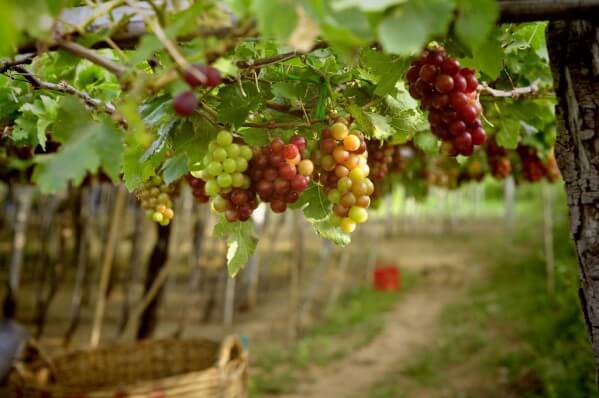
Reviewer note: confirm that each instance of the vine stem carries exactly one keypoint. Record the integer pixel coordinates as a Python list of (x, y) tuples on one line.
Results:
[(259, 63), (282, 125), (173, 51), (66, 88), (118, 69), (517, 92)]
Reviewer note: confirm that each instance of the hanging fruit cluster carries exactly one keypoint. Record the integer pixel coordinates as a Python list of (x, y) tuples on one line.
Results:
[(197, 75), (473, 170), (198, 188), (498, 160), (534, 168), (449, 94), (280, 172), (155, 198), (380, 158), (238, 204), (343, 171), (223, 170)]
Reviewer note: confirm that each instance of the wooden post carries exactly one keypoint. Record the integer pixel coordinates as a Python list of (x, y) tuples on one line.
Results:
[(24, 198), (117, 216), (509, 199), (229, 301), (295, 265), (548, 236)]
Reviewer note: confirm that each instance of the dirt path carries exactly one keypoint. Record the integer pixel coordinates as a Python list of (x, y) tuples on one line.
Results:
[(409, 327)]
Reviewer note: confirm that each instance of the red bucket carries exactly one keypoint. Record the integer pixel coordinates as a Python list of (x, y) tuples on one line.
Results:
[(386, 278)]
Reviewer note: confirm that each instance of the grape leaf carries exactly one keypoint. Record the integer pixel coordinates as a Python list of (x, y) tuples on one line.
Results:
[(488, 58), (99, 144), (509, 133), (174, 168), (328, 231), (241, 242), (254, 136), (162, 135), (412, 25), (236, 105), (276, 18), (314, 203), (426, 141), (476, 19)]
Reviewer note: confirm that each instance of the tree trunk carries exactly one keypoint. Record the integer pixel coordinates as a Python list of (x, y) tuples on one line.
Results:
[(574, 57), (157, 262)]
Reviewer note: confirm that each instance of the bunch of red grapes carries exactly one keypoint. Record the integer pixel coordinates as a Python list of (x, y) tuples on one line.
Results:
[(198, 188), (238, 204), (186, 103), (280, 172), (498, 160), (448, 93), (533, 167), (380, 158), (343, 171)]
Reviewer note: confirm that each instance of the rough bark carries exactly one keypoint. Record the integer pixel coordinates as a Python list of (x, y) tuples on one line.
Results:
[(574, 58)]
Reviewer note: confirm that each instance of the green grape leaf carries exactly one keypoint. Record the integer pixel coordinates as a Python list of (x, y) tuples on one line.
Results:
[(236, 105), (509, 133), (380, 126), (412, 25), (314, 203), (36, 117), (328, 231), (192, 138), (254, 136), (276, 18), (426, 141), (241, 242), (99, 144), (135, 172), (476, 19), (174, 168), (163, 134), (487, 58)]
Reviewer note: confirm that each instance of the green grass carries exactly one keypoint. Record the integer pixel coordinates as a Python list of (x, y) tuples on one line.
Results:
[(511, 335), (356, 319)]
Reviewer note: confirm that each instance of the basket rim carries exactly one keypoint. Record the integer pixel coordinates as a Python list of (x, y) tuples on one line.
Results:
[(224, 366)]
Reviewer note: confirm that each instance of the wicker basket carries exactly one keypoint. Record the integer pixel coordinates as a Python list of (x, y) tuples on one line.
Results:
[(150, 369)]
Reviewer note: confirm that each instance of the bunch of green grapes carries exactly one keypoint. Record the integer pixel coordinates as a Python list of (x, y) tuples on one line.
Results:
[(224, 170), (155, 198)]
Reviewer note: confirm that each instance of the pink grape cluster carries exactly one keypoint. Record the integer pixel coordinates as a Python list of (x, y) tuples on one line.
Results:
[(280, 172)]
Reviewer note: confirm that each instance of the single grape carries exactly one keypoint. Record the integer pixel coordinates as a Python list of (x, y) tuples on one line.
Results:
[(185, 103), (358, 214), (224, 138), (347, 225), (305, 167), (219, 154), (339, 131), (229, 166), (290, 151), (224, 180)]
